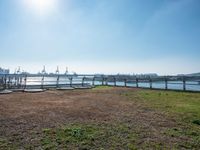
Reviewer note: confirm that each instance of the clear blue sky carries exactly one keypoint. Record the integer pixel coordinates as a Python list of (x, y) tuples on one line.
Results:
[(101, 36)]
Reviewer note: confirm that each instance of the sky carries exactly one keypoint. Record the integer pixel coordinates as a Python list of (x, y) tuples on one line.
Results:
[(101, 36)]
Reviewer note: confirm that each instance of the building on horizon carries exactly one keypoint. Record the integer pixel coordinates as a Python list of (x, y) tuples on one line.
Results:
[(4, 71)]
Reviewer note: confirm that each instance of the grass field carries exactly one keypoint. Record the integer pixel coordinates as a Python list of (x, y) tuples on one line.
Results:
[(183, 107), (101, 118)]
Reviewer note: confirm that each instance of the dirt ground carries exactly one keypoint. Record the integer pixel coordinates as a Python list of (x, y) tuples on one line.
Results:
[(21, 114)]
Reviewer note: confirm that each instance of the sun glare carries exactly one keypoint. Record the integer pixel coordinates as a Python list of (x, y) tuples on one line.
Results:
[(41, 7)]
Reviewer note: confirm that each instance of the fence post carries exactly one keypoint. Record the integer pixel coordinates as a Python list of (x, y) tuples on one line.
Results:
[(9, 82), (5, 80), (20, 81), (150, 83), (83, 81), (15, 81), (184, 85), (25, 79), (166, 83), (57, 83), (125, 80), (71, 78), (2, 82), (93, 81), (137, 83), (115, 84), (106, 81), (42, 82)]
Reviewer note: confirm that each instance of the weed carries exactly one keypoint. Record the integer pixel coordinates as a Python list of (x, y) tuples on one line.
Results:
[(196, 122)]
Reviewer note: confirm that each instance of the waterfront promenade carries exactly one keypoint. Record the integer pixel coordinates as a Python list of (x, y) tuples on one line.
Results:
[(35, 81)]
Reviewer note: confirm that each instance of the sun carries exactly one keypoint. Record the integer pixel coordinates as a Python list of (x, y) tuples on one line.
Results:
[(41, 7)]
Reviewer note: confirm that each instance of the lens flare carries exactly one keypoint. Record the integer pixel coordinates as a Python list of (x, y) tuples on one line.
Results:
[(41, 7)]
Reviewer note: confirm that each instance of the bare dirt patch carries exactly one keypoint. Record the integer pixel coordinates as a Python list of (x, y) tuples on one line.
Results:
[(23, 116)]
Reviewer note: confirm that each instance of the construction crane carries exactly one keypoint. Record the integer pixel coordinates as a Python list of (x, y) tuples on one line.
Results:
[(57, 70), (66, 72), (18, 70), (43, 70)]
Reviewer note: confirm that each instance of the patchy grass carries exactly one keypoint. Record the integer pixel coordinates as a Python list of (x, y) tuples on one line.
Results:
[(89, 136), (108, 118), (5, 144), (185, 132), (183, 107), (102, 87)]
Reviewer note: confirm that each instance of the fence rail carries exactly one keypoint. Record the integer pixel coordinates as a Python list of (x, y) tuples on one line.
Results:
[(23, 81)]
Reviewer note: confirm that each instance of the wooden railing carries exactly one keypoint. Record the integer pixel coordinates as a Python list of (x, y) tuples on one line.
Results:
[(23, 81)]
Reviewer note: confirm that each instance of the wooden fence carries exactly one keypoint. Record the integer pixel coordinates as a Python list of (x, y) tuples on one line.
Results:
[(23, 81)]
